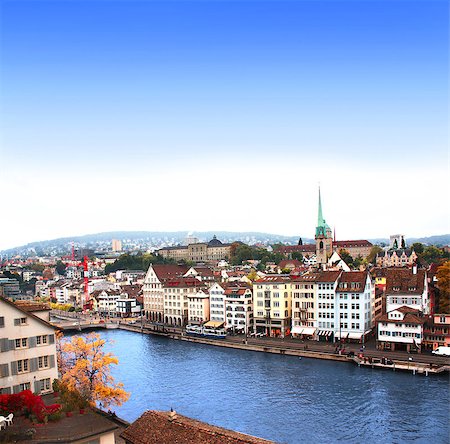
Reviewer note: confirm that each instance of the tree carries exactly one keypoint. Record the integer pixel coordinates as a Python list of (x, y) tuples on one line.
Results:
[(60, 268), (86, 369), (417, 247), (297, 255), (432, 254), (443, 284), (253, 275), (345, 256), (373, 253), (403, 244)]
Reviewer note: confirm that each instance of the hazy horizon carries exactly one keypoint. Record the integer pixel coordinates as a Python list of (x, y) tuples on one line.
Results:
[(224, 115)]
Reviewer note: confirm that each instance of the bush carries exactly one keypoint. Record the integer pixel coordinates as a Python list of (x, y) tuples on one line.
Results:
[(28, 404)]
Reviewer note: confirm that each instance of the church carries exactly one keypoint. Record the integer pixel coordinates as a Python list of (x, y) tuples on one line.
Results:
[(326, 244)]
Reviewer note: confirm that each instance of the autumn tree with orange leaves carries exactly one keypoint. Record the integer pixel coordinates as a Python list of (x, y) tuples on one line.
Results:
[(86, 369)]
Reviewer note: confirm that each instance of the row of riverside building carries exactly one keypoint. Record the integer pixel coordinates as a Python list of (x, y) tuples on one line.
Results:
[(392, 305)]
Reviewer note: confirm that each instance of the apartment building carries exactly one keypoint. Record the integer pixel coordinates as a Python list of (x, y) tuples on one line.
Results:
[(153, 293), (407, 287), (355, 297), (304, 305), (27, 351), (217, 303), (198, 307), (176, 294), (272, 305), (239, 308)]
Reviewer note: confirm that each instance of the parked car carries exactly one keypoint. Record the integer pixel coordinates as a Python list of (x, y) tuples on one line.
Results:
[(442, 351)]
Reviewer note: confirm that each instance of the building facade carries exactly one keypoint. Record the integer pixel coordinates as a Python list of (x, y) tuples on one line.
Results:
[(27, 351), (272, 305), (239, 308), (213, 251), (153, 294)]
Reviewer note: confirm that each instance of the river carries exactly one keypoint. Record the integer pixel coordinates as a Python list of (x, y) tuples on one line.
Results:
[(283, 398)]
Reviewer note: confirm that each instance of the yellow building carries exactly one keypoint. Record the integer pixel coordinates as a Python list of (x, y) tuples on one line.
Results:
[(272, 305), (212, 251)]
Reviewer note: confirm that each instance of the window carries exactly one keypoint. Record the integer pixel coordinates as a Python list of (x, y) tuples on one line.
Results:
[(45, 385), (2, 321), (25, 386), (22, 366), (21, 343)]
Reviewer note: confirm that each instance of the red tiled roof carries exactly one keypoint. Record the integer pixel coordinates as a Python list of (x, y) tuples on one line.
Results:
[(405, 280), (30, 306), (293, 262), (307, 248), (155, 427), (273, 278), (352, 243), (183, 282), (412, 316), (167, 271)]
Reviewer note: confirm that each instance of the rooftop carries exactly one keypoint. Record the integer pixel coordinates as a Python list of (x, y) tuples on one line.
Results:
[(155, 427)]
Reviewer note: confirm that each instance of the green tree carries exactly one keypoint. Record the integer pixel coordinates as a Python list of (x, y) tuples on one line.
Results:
[(417, 247), (432, 254), (60, 268), (373, 254), (345, 255), (297, 255)]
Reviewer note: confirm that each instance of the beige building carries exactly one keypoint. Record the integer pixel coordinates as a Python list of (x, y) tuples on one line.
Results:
[(198, 307), (356, 248), (176, 294), (152, 288), (27, 350), (304, 315), (213, 251), (396, 258), (272, 305), (116, 245)]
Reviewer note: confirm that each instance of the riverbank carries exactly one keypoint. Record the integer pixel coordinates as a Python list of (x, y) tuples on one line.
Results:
[(299, 351)]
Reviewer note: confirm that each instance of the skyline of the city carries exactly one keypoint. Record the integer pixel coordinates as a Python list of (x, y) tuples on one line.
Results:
[(224, 116)]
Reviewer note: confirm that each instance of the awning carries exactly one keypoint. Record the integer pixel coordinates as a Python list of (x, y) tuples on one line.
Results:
[(355, 335), (309, 330), (345, 335), (213, 324), (297, 330), (324, 333)]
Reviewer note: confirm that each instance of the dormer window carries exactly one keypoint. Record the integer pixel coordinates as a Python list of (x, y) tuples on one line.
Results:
[(412, 288), (396, 288)]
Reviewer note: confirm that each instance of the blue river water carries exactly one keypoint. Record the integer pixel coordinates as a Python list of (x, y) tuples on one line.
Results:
[(283, 398)]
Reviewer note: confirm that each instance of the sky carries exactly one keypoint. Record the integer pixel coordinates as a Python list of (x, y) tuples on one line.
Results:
[(223, 115)]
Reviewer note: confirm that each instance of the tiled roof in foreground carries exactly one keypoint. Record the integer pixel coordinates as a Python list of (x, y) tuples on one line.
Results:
[(155, 427)]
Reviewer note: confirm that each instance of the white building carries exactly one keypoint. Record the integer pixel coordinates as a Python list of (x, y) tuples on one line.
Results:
[(327, 305), (407, 287), (400, 329), (239, 308), (106, 301), (355, 296), (217, 303), (27, 351)]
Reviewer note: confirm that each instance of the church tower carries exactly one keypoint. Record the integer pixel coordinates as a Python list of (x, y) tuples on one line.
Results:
[(324, 238)]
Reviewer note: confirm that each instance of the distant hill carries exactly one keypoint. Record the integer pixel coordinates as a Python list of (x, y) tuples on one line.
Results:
[(135, 240), (145, 239)]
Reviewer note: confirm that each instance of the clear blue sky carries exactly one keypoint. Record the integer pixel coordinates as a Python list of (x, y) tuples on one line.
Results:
[(121, 114)]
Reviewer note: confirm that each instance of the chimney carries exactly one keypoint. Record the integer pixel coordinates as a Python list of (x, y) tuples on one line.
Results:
[(414, 268), (172, 414)]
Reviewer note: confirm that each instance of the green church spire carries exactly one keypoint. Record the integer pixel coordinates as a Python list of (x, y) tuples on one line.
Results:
[(320, 220), (322, 227)]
